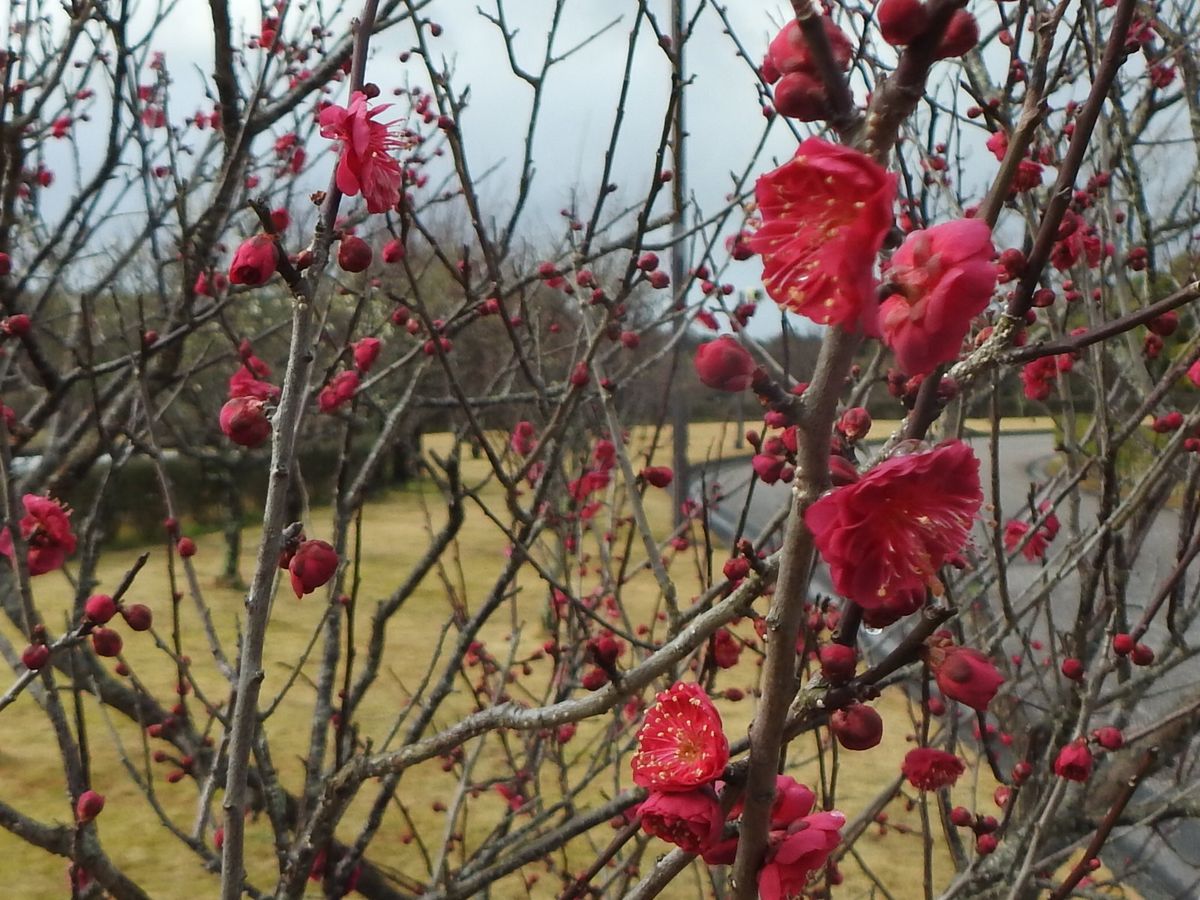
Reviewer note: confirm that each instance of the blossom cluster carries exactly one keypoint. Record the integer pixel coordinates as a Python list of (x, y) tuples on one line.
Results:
[(681, 756)]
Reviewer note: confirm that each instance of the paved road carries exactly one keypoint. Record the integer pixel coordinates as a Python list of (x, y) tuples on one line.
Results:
[(1163, 864)]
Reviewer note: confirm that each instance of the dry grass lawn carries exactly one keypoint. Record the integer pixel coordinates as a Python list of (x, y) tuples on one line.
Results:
[(394, 536)]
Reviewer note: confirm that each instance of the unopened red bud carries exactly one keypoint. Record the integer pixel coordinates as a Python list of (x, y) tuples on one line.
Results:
[(354, 254), (393, 251), (658, 476), (137, 616), (838, 663), (1164, 325), (724, 365), (106, 642), (17, 325), (1043, 297), (594, 679), (962, 34), (89, 805), (100, 608), (35, 657), (255, 261), (1123, 644), (186, 547), (857, 727), (1109, 738), (737, 568), (1142, 655), (902, 21)]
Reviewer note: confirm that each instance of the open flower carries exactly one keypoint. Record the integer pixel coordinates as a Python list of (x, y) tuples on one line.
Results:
[(928, 769), (681, 744), (366, 165), (886, 535), (691, 820), (825, 214), (944, 278), (46, 527)]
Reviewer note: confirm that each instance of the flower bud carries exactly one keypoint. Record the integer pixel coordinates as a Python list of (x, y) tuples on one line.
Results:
[(354, 254), (1074, 761), (1164, 325), (366, 351), (961, 35), (393, 251), (902, 21), (100, 608), (838, 663), (594, 679), (17, 325), (35, 656), (854, 424), (244, 421), (658, 476), (1109, 738), (255, 261), (106, 642), (737, 568), (725, 365), (311, 566), (857, 727), (137, 616), (88, 806), (802, 96), (965, 675)]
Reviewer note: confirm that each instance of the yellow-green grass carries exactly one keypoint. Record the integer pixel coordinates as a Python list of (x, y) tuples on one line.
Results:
[(395, 532)]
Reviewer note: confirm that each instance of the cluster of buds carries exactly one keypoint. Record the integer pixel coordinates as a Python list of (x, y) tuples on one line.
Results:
[(1124, 644), (603, 650), (904, 22), (800, 92), (983, 826)]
